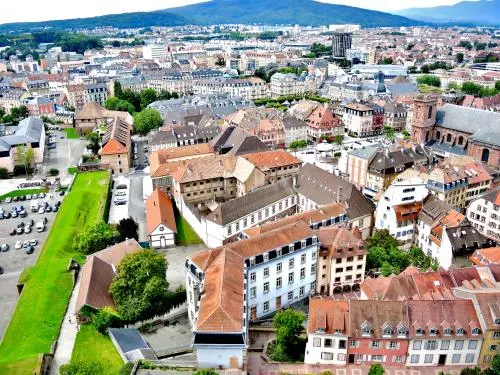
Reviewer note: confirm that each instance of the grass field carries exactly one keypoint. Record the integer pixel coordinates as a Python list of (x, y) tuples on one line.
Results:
[(91, 345), (18, 193), (41, 307), (185, 233), (71, 133)]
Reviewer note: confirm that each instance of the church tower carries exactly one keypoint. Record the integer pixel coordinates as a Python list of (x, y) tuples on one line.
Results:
[(424, 118)]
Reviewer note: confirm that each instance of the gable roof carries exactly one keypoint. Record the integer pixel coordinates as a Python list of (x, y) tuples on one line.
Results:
[(327, 315), (271, 159), (376, 314), (159, 210), (116, 139)]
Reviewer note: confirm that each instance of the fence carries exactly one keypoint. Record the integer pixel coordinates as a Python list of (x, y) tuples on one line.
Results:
[(172, 314)]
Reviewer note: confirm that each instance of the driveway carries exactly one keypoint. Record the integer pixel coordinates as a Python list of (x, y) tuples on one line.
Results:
[(136, 207), (176, 258)]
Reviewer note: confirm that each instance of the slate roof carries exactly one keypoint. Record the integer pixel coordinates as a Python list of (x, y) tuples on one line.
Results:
[(235, 141), (29, 130), (131, 344), (242, 206)]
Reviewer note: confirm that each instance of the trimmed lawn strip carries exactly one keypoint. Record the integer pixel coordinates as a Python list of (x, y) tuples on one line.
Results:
[(71, 133), (90, 345), (185, 233), (20, 192), (42, 304)]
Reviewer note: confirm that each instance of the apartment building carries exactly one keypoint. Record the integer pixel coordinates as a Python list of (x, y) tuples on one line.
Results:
[(154, 51), (288, 84), (295, 130), (399, 207), (484, 215), (449, 183), (443, 333), (276, 165), (246, 88), (116, 147), (322, 122), (77, 96), (243, 281), (358, 119), (341, 261)]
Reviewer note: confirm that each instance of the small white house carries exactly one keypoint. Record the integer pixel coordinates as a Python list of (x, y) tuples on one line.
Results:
[(160, 220)]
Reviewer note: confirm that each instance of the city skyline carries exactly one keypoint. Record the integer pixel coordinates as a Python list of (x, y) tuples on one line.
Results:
[(37, 11)]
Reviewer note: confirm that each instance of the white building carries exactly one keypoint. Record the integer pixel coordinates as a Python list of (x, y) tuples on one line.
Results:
[(483, 213), (399, 207), (327, 332), (443, 333), (161, 227), (287, 84), (154, 51)]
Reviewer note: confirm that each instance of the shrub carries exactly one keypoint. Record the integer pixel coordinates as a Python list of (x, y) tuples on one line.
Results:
[(53, 171), (205, 372), (376, 369), (126, 369), (81, 368), (4, 173), (104, 319)]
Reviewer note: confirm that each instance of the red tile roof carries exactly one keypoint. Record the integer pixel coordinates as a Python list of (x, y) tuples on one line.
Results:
[(328, 315), (271, 159), (159, 210)]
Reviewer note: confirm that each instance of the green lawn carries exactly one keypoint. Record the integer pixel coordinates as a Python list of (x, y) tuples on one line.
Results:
[(71, 133), (72, 170), (185, 233), (91, 345), (41, 307), (18, 193)]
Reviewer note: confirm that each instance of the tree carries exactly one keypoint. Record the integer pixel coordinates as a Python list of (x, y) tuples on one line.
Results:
[(140, 287), (128, 228), (117, 88), (147, 120), (429, 80), (95, 238), (148, 96), (82, 368), (133, 98), (2, 113), (338, 139), (288, 324), (115, 104), (389, 132), (376, 369), (18, 113), (495, 365), (382, 238), (105, 318), (205, 372), (295, 145), (460, 57), (25, 156), (386, 61), (94, 140)]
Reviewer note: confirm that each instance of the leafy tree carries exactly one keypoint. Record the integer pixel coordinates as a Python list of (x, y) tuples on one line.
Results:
[(2, 113), (389, 132), (497, 85), (429, 80), (115, 104), (82, 368), (18, 113), (471, 371), (4, 173), (376, 369), (295, 145), (386, 61), (140, 288), (460, 57), (148, 96), (133, 98), (495, 365), (95, 238), (94, 140), (288, 324), (147, 120), (117, 88), (205, 372), (128, 228), (471, 88), (466, 44), (338, 139), (25, 156), (382, 238), (104, 319), (7, 119)]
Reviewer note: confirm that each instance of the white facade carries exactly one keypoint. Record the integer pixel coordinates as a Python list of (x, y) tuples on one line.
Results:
[(401, 192), (209, 356), (161, 237), (485, 216), (154, 51), (326, 349), (279, 282), (445, 351), (295, 133)]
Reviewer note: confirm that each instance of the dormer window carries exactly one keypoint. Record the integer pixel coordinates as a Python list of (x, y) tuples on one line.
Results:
[(460, 331), (402, 332), (497, 321), (433, 331), (366, 331), (476, 331), (447, 331), (419, 332), (387, 331)]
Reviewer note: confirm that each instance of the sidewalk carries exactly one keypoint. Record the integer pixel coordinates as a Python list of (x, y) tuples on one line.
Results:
[(67, 336), (257, 366)]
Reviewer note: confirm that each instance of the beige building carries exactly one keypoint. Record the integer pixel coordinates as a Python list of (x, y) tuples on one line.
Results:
[(116, 146)]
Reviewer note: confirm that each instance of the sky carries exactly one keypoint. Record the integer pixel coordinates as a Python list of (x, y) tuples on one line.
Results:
[(36, 10)]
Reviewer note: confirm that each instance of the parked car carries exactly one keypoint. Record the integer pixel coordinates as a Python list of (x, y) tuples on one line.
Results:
[(30, 222), (13, 214), (34, 242), (4, 247), (8, 200), (40, 227), (20, 225), (15, 199), (22, 198), (30, 250), (61, 193), (41, 195), (27, 229), (41, 210), (18, 245), (55, 209), (26, 243), (44, 220), (120, 203), (23, 213), (28, 196), (48, 209), (35, 196), (7, 215), (19, 230), (121, 193), (121, 187)]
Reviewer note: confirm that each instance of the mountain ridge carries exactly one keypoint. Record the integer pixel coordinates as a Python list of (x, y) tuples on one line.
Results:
[(302, 12)]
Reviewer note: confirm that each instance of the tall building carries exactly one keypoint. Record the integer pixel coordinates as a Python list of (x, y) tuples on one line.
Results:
[(341, 43)]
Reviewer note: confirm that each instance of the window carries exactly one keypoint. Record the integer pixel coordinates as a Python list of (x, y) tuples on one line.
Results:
[(314, 254), (326, 356), (419, 332), (366, 330), (291, 263), (433, 331), (303, 258), (302, 273), (252, 277), (377, 358), (459, 344), (313, 286), (375, 345), (447, 331), (290, 295), (476, 331), (492, 348), (496, 335), (430, 345), (415, 358), (328, 343), (266, 287), (455, 358), (393, 345), (402, 332), (278, 283), (301, 291), (290, 278), (353, 343), (460, 331), (253, 292), (469, 358), (417, 345), (266, 272), (428, 358), (266, 306), (472, 344), (445, 344), (278, 267), (316, 342), (313, 269), (387, 331)]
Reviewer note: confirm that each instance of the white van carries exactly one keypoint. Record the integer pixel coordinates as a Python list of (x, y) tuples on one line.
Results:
[(40, 226), (34, 206)]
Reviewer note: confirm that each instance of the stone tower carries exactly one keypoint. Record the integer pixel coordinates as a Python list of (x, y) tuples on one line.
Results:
[(424, 118)]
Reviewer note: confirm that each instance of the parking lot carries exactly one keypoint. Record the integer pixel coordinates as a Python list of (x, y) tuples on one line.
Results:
[(14, 261), (140, 154)]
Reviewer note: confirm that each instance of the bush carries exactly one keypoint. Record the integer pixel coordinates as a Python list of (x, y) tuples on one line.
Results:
[(376, 369), (126, 369), (429, 80), (53, 171), (205, 372), (81, 368), (4, 173), (104, 319)]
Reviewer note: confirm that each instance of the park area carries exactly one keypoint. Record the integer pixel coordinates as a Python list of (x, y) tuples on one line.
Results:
[(41, 307)]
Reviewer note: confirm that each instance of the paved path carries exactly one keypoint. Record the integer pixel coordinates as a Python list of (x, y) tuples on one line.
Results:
[(67, 336)]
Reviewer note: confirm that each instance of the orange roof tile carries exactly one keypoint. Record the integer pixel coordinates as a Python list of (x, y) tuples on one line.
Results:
[(113, 147), (159, 210), (483, 257), (328, 315), (271, 159)]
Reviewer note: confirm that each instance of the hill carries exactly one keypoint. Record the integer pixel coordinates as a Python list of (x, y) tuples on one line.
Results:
[(302, 12), (483, 12)]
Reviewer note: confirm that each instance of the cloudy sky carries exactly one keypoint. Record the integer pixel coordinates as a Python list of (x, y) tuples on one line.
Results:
[(36, 10)]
